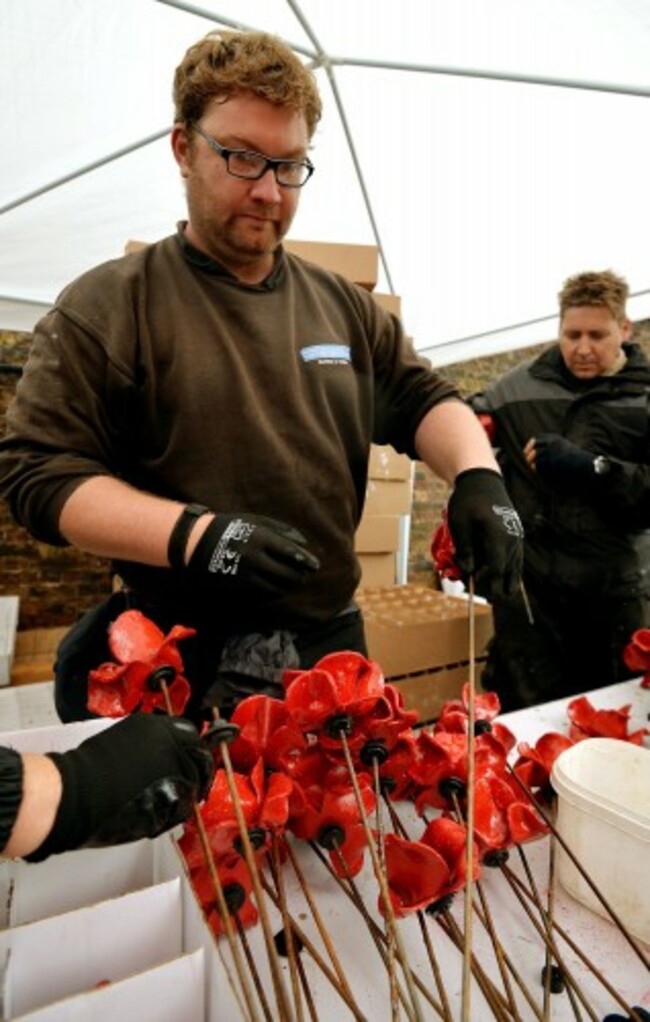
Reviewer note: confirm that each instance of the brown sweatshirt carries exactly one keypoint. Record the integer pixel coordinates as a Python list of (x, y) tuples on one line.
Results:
[(162, 369)]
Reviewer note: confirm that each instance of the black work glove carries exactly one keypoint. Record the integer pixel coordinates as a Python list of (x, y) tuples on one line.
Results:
[(487, 532), (250, 553), (562, 462), (134, 780)]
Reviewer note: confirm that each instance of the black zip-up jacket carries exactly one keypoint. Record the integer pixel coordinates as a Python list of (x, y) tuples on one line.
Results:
[(601, 535)]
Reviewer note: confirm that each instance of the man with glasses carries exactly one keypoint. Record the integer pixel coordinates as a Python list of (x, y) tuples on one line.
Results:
[(201, 411)]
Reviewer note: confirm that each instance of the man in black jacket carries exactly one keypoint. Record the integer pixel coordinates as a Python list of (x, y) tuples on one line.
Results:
[(572, 431)]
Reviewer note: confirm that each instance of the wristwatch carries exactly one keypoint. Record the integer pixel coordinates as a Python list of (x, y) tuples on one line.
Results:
[(602, 465)]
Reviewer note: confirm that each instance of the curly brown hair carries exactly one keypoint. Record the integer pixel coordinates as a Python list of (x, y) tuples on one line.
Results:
[(225, 63), (595, 288)]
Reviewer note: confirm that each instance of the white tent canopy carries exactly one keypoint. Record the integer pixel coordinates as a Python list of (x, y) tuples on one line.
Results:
[(490, 148)]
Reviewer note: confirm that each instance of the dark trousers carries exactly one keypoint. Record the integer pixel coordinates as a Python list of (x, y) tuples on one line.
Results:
[(85, 647), (575, 643)]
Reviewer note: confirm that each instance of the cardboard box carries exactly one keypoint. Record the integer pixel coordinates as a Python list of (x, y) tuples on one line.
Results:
[(385, 463), (378, 569), (420, 638), (359, 263), (388, 497), (8, 624), (391, 303), (377, 534), (35, 653)]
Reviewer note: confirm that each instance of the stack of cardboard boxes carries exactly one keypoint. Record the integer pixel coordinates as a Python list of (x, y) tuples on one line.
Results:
[(422, 640)]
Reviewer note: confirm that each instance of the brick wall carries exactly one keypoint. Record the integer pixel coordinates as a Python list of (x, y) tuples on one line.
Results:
[(56, 584)]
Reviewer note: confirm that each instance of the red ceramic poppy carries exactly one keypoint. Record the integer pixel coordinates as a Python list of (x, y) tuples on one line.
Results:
[(443, 552), (501, 817), (396, 768), (417, 875), (140, 649), (343, 683), (535, 763), (264, 803), (454, 717), (259, 718), (328, 809), (237, 888), (636, 654), (448, 838), (443, 759), (588, 722)]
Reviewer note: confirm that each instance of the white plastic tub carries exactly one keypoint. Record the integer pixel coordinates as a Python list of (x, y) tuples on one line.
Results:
[(603, 788)]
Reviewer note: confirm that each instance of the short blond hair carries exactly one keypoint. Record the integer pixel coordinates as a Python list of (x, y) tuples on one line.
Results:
[(224, 64), (595, 288)]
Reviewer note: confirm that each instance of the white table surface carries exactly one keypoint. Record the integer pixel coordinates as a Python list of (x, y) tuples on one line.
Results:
[(367, 977)]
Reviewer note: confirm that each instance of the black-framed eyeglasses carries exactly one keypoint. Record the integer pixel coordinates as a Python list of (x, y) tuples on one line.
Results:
[(252, 166)]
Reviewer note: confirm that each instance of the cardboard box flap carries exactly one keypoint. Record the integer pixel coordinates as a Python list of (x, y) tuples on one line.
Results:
[(359, 263)]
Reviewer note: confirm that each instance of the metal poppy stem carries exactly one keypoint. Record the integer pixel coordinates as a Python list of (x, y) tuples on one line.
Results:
[(545, 932), (497, 947), (381, 858), (318, 919), (514, 972), (282, 1002), (545, 815), (424, 930), (253, 969), (350, 889), (221, 901), (380, 875), (492, 994), (318, 959), (469, 856), (516, 882), (292, 954)]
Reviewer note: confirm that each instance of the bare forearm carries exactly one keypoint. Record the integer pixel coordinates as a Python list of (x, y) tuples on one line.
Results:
[(450, 440), (105, 516), (42, 788)]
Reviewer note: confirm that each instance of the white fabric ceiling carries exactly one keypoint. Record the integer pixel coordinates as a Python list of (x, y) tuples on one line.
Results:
[(485, 185)]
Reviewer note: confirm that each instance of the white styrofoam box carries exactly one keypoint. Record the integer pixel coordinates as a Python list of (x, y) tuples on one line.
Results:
[(172, 992), (603, 787), (71, 953), (8, 625)]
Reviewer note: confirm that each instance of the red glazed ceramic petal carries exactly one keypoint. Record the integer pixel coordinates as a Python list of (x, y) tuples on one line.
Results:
[(486, 705), (416, 874), (598, 723), (443, 551), (178, 693), (489, 754), (449, 839), (285, 748), (218, 806), (352, 852), (504, 737), (132, 636), (454, 721), (524, 823), (398, 765), (107, 674), (231, 872), (311, 699), (274, 811), (388, 719), (106, 700), (535, 762), (635, 658), (359, 682), (258, 717), (490, 820)]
